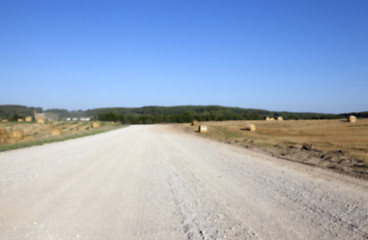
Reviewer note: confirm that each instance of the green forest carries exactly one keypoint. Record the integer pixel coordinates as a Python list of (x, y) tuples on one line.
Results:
[(176, 114)]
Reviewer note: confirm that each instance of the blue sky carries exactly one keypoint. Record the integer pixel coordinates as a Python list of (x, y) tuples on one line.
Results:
[(275, 55)]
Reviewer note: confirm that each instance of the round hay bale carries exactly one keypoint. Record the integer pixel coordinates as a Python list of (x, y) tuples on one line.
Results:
[(202, 129), (272, 119), (195, 123), (352, 119), (56, 131), (18, 134), (29, 119), (4, 136), (280, 118), (20, 120), (267, 118), (96, 124), (250, 127), (41, 121)]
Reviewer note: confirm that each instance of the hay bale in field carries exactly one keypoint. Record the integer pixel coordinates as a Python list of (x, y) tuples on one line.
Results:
[(195, 123), (267, 118), (96, 124), (5, 120), (352, 119), (56, 131), (29, 119), (20, 120), (272, 119), (38, 116), (18, 134), (280, 118), (202, 129), (250, 127), (4, 136), (41, 120)]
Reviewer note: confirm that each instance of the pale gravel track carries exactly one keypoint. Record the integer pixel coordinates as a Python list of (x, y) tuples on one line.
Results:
[(154, 182)]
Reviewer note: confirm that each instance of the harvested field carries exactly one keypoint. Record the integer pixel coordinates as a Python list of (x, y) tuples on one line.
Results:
[(18, 134), (333, 144), (96, 124), (56, 131), (33, 132)]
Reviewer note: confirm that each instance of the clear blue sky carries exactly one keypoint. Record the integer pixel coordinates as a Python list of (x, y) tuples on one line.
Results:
[(276, 55)]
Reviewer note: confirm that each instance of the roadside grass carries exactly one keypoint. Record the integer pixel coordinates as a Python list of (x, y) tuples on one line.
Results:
[(51, 139)]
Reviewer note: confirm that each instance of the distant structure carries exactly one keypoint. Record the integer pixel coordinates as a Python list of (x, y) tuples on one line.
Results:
[(85, 119)]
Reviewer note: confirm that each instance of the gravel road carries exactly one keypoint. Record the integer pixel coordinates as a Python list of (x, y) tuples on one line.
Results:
[(155, 182)]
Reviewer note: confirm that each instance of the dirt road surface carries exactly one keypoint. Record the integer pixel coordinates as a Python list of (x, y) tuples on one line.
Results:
[(154, 182)]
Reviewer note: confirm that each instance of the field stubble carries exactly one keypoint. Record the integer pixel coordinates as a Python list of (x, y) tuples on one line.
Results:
[(38, 134)]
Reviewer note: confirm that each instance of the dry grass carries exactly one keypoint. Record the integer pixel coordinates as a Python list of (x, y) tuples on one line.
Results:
[(96, 124), (35, 132), (18, 134), (4, 136), (56, 131)]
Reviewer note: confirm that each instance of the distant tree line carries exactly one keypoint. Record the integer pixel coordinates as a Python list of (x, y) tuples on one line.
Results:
[(177, 114), (185, 114), (14, 112)]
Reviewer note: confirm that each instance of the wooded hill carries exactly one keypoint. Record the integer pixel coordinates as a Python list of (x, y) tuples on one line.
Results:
[(176, 114), (181, 114)]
